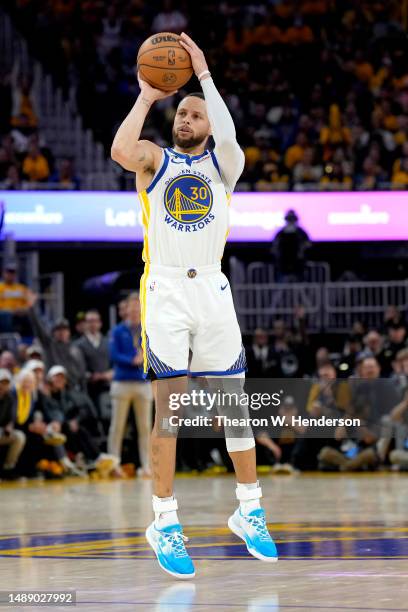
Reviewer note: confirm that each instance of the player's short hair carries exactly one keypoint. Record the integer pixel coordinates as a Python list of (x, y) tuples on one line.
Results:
[(195, 94)]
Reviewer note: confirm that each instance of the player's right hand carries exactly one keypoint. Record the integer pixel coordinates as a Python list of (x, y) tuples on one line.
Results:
[(151, 93)]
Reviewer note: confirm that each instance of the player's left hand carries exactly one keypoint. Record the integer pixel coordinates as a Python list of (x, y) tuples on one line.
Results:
[(197, 56)]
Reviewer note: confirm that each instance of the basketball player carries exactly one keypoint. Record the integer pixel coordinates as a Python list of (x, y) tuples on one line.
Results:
[(186, 300)]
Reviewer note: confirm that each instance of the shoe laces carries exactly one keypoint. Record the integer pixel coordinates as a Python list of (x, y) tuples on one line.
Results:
[(176, 540), (259, 524)]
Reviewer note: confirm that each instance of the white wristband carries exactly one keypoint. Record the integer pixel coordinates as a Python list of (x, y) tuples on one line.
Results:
[(203, 73)]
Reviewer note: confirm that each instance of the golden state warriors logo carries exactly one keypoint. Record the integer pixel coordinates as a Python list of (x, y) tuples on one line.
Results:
[(188, 200)]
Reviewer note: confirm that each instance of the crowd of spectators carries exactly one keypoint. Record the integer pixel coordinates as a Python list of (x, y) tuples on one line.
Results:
[(318, 88), (65, 395), (25, 159)]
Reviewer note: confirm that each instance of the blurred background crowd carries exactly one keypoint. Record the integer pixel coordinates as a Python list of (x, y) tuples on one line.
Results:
[(318, 88), (66, 393), (319, 93)]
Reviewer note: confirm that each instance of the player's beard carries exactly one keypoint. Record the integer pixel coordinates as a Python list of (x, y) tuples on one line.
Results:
[(188, 143)]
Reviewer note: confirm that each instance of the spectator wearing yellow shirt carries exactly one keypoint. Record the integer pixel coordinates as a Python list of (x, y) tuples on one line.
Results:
[(334, 133), (238, 40), (13, 299), (400, 178), (334, 175), (362, 68), (396, 167), (298, 34), (294, 154), (35, 165), (330, 392), (267, 33), (13, 295)]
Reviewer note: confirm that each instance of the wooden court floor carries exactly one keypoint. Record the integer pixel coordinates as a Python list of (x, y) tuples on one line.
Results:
[(343, 544)]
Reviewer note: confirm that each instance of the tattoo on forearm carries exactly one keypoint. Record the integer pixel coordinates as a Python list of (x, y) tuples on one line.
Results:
[(146, 102)]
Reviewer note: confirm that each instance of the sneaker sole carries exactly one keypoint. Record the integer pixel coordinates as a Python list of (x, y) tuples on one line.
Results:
[(239, 532), (174, 574)]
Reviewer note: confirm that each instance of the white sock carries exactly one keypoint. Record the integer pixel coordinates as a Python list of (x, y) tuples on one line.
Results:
[(250, 504), (164, 519)]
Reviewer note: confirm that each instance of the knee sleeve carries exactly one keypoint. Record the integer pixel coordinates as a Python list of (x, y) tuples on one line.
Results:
[(239, 444)]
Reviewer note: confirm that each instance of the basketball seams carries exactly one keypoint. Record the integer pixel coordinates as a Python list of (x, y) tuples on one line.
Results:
[(170, 69), (162, 47)]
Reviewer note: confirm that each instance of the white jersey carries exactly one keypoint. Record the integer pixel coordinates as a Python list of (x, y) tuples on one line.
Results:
[(185, 211)]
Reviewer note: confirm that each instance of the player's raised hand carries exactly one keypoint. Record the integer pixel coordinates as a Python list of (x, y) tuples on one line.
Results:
[(152, 94), (197, 56)]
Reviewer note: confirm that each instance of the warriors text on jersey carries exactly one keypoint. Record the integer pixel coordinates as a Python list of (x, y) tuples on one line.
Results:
[(185, 211)]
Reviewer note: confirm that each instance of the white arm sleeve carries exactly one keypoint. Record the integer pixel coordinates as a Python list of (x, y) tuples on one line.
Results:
[(227, 151)]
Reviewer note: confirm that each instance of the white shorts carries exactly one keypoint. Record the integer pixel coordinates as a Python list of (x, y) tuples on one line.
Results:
[(189, 309)]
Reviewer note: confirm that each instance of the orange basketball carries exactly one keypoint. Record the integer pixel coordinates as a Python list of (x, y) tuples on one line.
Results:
[(163, 62)]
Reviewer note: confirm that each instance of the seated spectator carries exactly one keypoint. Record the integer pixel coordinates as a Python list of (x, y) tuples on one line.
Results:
[(362, 68), (322, 357), (399, 417), (4, 164), (267, 33), (275, 445), (332, 394), (238, 40), (286, 350), (111, 31), (395, 341), (334, 134), (95, 350), (334, 175), (58, 347), (392, 315), (307, 170), (43, 450), (262, 361), (298, 34), (9, 362), (294, 154), (371, 175), (374, 345), (347, 361), (65, 175), (35, 165), (13, 181), (24, 102), (79, 325), (372, 399), (9, 436), (400, 177), (79, 423), (169, 19)]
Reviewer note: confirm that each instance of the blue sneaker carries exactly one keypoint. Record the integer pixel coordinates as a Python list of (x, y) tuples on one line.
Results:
[(253, 530), (168, 545)]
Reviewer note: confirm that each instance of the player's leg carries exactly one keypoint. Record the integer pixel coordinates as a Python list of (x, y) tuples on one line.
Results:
[(218, 354), (164, 438), (166, 345), (142, 407), (165, 534)]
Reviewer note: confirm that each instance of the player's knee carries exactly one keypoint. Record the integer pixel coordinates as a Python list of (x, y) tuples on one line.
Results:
[(239, 444)]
